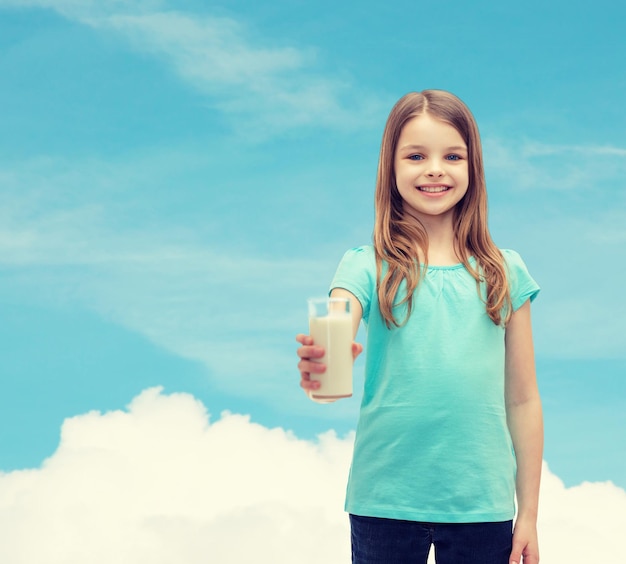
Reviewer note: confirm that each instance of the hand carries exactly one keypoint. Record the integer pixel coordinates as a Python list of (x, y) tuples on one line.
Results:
[(307, 366), (525, 543)]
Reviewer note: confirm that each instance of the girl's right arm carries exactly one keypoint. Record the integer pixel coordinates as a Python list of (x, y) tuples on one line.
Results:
[(308, 350)]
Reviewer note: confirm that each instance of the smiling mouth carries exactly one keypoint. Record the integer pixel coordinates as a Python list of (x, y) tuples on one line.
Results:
[(433, 189)]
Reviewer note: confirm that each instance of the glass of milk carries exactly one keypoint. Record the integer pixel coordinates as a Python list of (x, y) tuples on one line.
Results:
[(330, 326)]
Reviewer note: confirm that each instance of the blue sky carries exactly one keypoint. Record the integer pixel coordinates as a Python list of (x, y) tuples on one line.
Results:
[(178, 178)]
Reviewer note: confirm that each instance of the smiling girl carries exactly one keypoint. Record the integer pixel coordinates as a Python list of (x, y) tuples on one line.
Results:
[(450, 426)]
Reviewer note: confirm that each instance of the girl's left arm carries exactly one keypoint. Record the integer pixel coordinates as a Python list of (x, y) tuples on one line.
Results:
[(525, 420)]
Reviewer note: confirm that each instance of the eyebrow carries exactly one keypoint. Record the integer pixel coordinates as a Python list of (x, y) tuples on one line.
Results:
[(421, 147)]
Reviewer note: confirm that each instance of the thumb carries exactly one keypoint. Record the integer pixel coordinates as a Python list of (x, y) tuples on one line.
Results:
[(516, 553)]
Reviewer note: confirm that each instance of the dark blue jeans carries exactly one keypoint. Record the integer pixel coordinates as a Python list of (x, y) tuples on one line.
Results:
[(389, 541)]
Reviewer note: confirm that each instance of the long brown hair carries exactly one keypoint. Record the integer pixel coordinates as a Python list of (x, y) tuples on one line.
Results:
[(399, 241)]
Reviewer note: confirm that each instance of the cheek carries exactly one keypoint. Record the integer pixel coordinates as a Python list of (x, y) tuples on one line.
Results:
[(463, 176), (402, 173)]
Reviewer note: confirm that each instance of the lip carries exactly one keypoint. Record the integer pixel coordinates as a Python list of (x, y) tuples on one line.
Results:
[(420, 187)]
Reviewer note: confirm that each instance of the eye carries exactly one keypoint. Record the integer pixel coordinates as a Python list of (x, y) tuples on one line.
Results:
[(415, 157), (453, 157)]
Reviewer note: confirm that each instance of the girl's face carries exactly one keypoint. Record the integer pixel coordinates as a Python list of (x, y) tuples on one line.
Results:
[(431, 168)]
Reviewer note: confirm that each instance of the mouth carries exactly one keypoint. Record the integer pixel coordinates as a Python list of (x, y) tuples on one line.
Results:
[(434, 188)]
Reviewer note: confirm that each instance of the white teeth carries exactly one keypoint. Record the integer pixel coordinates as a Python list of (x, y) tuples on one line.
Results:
[(433, 189)]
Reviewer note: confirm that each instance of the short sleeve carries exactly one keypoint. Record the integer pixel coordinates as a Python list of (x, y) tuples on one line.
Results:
[(522, 285), (357, 274)]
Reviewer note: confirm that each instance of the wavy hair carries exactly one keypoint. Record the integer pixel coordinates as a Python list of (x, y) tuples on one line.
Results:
[(399, 240)]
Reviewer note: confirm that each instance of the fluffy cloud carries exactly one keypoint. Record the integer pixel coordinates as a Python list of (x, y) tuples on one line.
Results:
[(162, 483), (581, 524)]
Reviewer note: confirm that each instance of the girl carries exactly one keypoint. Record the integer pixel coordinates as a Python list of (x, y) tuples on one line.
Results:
[(450, 427)]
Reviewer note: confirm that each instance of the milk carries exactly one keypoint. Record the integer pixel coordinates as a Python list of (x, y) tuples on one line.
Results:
[(333, 332)]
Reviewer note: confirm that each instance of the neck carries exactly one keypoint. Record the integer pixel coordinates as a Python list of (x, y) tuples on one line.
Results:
[(441, 248)]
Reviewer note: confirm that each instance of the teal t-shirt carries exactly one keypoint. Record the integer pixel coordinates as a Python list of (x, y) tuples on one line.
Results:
[(432, 442)]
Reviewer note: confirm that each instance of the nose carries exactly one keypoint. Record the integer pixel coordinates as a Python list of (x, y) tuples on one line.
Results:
[(435, 170)]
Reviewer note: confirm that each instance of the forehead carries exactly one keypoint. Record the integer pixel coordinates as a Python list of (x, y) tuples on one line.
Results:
[(427, 130)]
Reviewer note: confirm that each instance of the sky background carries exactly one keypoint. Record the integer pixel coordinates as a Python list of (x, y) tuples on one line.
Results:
[(176, 178)]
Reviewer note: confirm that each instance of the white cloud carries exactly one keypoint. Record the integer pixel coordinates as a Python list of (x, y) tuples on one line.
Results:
[(87, 11), (577, 261), (272, 87), (533, 149), (564, 208), (162, 483), (188, 298), (527, 165), (159, 484), (582, 523), (61, 243), (201, 299)]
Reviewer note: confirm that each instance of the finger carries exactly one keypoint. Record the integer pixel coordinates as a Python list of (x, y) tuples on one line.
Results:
[(306, 366), (304, 339), (516, 554), (310, 351), (357, 349), (309, 385)]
